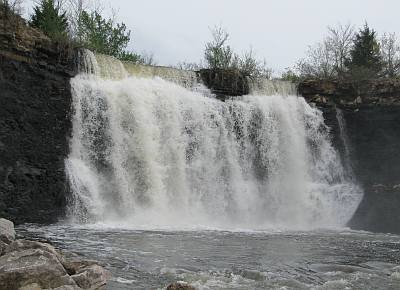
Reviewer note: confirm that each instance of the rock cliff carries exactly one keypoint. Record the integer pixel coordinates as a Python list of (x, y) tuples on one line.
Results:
[(35, 122), (371, 113)]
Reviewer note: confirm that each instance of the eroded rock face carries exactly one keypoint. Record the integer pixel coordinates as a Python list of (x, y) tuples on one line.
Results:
[(225, 83), (35, 123), (371, 113), (7, 232)]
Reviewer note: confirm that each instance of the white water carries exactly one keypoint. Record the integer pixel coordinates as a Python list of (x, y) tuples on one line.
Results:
[(146, 152)]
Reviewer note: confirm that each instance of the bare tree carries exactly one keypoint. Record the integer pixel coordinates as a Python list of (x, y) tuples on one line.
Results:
[(14, 6), (327, 59), (339, 43), (318, 62), (390, 53), (250, 66)]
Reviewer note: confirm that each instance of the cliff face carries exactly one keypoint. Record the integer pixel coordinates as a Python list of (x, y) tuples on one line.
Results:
[(371, 112), (35, 108)]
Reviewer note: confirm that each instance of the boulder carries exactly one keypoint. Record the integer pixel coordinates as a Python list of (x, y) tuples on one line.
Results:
[(92, 277), (7, 232), (75, 266), (23, 268), (20, 245), (180, 286)]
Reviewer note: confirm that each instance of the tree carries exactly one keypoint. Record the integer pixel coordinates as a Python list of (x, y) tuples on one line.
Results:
[(365, 58), (145, 59), (390, 55), (290, 75), (318, 62), (326, 59), (102, 35), (14, 6), (339, 42), (49, 18), (217, 54), (249, 66)]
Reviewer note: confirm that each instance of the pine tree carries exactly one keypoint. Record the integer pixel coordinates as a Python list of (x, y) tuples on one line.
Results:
[(365, 58), (103, 35), (49, 18)]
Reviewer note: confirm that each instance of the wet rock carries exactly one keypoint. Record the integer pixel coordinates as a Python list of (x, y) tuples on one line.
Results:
[(180, 286), (7, 232), (91, 277), (26, 267)]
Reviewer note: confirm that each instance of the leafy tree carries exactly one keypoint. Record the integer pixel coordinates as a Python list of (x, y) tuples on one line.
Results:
[(217, 54), (103, 36), (290, 75), (365, 58), (49, 18), (137, 58)]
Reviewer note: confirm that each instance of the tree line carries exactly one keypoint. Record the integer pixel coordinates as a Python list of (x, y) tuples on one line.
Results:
[(347, 54), (343, 54)]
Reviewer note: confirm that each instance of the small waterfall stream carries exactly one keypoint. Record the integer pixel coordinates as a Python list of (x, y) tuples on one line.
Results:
[(159, 152)]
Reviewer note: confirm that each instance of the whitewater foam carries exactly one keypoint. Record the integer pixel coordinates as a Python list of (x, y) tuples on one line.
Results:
[(148, 152)]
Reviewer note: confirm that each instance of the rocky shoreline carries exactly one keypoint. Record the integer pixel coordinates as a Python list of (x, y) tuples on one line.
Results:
[(31, 265)]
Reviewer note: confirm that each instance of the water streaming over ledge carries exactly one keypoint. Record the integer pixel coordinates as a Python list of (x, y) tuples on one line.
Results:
[(156, 152)]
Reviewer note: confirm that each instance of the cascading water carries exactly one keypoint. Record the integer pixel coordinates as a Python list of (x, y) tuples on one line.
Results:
[(149, 152)]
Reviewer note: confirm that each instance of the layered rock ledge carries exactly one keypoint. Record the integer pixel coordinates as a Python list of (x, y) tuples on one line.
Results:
[(35, 122), (31, 265)]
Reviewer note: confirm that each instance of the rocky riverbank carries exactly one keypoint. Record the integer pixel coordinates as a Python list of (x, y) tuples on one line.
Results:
[(31, 265)]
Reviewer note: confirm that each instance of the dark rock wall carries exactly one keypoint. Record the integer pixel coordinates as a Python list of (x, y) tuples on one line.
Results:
[(372, 116), (225, 83), (35, 124)]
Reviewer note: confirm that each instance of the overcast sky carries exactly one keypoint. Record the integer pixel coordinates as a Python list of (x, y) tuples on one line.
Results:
[(278, 30)]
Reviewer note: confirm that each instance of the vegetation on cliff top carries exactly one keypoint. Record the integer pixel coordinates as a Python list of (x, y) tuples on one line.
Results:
[(345, 54), (75, 23)]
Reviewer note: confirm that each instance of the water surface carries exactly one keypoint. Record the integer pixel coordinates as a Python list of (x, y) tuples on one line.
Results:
[(151, 259)]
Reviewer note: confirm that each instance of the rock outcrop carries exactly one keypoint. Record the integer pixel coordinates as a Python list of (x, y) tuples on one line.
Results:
[(35, 122), (225, 83), (30, 265), (371, 113)]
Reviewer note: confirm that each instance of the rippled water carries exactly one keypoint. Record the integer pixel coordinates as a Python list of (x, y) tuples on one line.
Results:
[(151, 259)]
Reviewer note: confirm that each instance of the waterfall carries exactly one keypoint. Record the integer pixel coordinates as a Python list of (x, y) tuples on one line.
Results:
[(345, 141), (151, 152)]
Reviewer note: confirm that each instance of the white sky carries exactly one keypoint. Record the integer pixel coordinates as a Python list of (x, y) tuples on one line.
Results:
[(278, 30)]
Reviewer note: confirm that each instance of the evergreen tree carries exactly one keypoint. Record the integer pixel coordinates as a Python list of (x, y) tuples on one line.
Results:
[(49, 18), (102, 36), (365, 58)]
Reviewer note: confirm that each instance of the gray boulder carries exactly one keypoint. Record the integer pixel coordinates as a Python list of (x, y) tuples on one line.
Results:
[(26, 267), (20, 245), (7, 232), (92, 277)]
